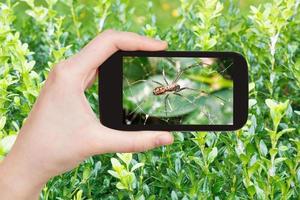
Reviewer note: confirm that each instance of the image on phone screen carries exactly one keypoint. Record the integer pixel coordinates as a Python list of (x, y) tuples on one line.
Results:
[(177, 90)]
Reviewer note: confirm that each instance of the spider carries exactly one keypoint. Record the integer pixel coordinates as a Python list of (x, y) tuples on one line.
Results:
[(175, 88)]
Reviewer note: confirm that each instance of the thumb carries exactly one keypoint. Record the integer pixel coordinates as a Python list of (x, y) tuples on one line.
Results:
[(111, 141)]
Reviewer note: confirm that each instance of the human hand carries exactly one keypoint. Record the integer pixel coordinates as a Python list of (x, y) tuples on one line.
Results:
[(62, 130)]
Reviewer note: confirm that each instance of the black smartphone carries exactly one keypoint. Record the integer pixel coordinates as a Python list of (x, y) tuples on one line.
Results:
[(174, 91)]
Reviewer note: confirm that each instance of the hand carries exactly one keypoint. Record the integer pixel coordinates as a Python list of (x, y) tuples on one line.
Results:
[(62, 130)]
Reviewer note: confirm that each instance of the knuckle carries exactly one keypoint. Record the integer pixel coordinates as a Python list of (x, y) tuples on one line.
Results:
[(60, 72), (109, 32)]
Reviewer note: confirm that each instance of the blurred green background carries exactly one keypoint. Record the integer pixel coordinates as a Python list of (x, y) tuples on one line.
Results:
[(166, 12)]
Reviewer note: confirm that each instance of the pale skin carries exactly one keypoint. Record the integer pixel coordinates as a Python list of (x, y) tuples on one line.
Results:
[(62, 130)]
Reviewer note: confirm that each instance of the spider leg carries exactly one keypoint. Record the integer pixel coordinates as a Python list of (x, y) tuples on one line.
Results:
[(164, 75), (177, 77), (157, 83), (177, 67), (169, 104), (187, 88), (178, 94), (135, 82), (165, 101)]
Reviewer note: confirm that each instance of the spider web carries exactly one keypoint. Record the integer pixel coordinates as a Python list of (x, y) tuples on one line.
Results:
[(202, 103)]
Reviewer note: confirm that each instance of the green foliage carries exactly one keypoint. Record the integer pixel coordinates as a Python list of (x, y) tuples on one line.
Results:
[(126, 176), (260, 161)]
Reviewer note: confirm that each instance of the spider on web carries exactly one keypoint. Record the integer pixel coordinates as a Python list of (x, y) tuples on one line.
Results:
[(175, 88)]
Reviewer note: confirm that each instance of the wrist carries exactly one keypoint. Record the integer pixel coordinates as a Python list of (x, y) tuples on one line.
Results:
[(18, 180)]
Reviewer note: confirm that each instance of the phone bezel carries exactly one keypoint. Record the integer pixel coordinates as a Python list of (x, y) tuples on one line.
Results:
[(111, 95)]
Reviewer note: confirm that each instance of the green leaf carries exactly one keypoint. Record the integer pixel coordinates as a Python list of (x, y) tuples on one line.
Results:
[(283, 148), (298, 175), (271, 103), (263, 148), (252, 102), (259, 192), (273, 151), (279, 160), (251, 190), (277, 110), (287, 130), (114, 174), (142, 197), (254, 168), (197, 160), (79, 195), (177, 165), (29, 2), (239, 148), (244, 158), (272, 171), (174, 195), (251, 86), (117, 166), (7, 142), (2, 122), (212, 155), (120, 186), (136, 166), (86, 173), (125, 157)]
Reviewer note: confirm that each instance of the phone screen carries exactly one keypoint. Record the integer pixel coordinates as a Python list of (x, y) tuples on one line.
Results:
[(177, 90)]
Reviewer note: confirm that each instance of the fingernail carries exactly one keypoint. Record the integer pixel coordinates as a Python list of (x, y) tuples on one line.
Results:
[(165, 42), (164, 139)]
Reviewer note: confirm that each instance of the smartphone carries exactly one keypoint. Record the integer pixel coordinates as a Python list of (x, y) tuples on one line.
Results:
[(174, 91)]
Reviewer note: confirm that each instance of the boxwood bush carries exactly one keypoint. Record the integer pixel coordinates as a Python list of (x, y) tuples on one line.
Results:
[(260, 161)]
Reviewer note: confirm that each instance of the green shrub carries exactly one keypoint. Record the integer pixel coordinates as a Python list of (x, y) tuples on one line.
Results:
[(260, 161)]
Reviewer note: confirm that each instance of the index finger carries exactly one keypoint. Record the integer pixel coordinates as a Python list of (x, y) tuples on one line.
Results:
[(110, 41)]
